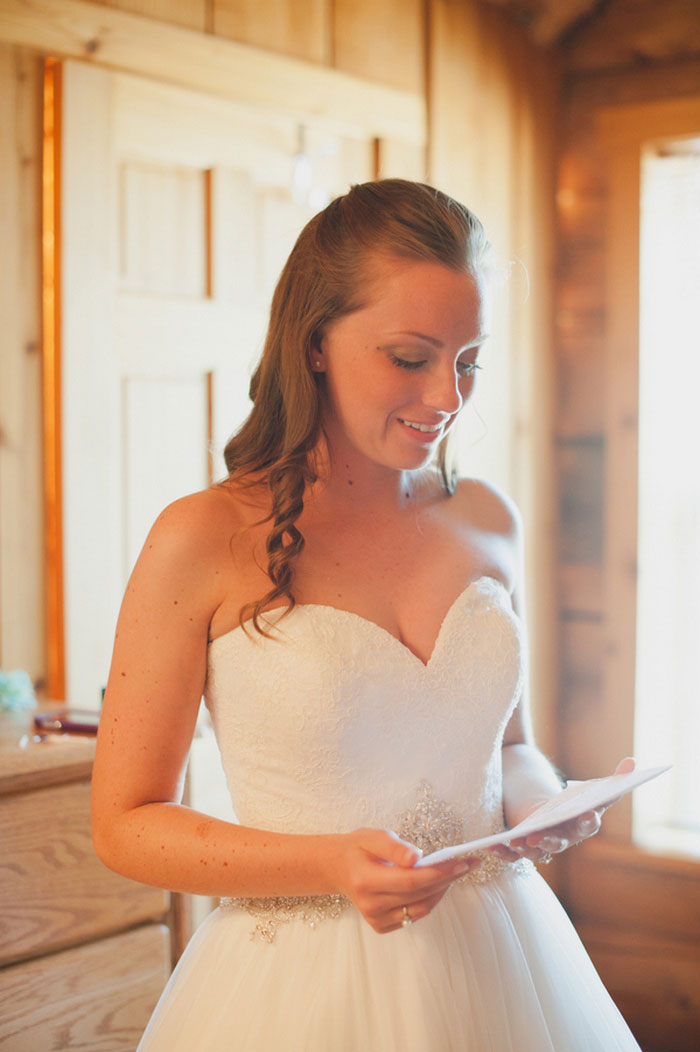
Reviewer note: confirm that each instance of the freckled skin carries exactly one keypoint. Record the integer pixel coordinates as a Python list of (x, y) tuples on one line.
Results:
[(190, 551)]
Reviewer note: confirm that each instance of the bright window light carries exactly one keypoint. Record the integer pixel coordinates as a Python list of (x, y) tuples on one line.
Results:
[(667, 704)]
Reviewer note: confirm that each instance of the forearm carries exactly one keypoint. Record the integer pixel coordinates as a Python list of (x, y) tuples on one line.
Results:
[(174, 847), (529, 780)]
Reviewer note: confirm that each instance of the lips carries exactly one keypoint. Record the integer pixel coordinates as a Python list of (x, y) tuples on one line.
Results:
[(425, 429)]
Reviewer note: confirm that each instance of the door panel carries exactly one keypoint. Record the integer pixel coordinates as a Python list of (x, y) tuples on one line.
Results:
[(178, 213)]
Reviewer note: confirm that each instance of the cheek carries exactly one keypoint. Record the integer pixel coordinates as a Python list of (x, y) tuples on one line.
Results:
[(466, 387)]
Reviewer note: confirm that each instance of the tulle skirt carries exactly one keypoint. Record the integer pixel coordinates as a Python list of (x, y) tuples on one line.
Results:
[(496, 967)]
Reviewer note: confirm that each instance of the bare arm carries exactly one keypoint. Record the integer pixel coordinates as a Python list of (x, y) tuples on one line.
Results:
[(529, 778), (140, 828)]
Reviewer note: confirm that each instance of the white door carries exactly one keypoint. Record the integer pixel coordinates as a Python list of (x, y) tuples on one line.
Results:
[(178, 211)]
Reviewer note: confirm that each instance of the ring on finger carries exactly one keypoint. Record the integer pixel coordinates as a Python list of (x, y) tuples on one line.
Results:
[(546, 858), (407, 920)]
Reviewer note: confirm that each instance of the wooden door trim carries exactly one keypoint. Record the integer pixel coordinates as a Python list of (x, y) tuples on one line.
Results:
[(51, 377), (123, 42), (625, 131)]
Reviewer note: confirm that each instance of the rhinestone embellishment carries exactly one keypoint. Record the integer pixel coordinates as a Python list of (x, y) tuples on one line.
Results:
[(430, 824), (270, 913)]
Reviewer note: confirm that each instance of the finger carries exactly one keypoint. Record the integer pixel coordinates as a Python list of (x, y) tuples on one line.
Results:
[(405, 915), (386, 846), (504, 852), (538, 846), (409, 885), (587, 825), (626, 766)]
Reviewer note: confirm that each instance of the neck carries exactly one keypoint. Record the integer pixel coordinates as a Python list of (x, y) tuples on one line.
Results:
[(350, 480)]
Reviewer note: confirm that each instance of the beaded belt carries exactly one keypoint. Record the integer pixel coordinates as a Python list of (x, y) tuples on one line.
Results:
[(430, 824), (270, 913)]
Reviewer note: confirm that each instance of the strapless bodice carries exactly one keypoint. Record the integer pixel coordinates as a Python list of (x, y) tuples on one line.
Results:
[(333, 723)]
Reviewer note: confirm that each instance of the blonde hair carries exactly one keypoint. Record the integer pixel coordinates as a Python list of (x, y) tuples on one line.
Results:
[(324, 279)]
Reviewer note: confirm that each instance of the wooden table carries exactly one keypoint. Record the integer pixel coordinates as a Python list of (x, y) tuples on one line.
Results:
[(84, 953)]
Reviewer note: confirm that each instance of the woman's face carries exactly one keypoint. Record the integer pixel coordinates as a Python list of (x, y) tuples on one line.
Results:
[(399, 369)]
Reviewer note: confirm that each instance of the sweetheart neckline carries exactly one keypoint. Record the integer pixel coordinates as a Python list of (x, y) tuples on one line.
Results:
[(373, 624)]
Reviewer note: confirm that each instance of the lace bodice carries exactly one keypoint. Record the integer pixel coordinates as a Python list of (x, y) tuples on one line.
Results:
[(335, 724)]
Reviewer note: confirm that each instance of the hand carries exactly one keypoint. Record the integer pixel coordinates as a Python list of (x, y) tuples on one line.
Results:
[(538, 847), (374, 868)]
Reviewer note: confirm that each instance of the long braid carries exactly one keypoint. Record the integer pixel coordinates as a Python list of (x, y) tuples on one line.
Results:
[(285, 542)]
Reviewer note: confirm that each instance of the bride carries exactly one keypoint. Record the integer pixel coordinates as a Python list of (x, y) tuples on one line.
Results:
[(352, 614)]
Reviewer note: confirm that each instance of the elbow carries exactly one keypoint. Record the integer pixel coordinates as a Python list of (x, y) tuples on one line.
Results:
[(106, 842), (103, 844)]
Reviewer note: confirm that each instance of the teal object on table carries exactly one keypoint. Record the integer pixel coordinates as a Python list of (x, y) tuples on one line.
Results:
[(16, 691)]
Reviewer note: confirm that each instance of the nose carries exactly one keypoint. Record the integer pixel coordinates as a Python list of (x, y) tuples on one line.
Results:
[(444, 393)]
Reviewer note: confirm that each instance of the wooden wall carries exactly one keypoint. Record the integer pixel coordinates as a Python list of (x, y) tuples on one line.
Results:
[(623, 902), (22, 624), (490, 97), (383, 40)]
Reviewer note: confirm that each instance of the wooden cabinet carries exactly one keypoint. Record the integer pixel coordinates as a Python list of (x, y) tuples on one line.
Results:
[(84, 953)]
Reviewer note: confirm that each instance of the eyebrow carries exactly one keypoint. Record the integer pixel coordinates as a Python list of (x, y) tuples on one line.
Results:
[(438, 343)]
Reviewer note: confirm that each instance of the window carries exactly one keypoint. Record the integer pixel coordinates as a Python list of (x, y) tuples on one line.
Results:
[(667, 713), (652, 491)]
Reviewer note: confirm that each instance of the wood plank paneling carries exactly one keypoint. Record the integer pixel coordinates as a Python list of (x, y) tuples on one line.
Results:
[(381, 41), (97, 997), (581, 591), (613, 884), (639, 915), (628, 33), (656, 982), (492, 117), (612, 87), (581, 659), (287, 26), (580, 466), (55, 891), (223, 68), (400, 160), (580, 370), (22, 627), (190, 13)]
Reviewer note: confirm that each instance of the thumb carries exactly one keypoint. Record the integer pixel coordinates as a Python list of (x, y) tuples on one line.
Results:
[(391, 848)]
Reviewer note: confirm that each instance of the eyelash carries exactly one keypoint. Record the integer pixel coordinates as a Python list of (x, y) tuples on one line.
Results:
[(404, 363)]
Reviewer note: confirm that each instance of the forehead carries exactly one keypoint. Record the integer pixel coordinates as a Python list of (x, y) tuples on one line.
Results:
[(394, 284)]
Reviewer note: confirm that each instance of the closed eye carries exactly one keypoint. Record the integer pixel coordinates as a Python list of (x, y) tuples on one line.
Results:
[(407, 363), (467, 368)]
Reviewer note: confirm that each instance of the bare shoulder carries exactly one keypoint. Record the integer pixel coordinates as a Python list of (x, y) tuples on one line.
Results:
[(190, 550), (198, 522), (488, 509)]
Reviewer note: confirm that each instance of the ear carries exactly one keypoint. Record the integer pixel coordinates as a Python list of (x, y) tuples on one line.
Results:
[(317, 357)]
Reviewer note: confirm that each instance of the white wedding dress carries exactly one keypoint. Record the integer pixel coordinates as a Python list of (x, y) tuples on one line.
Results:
[(336, 725)]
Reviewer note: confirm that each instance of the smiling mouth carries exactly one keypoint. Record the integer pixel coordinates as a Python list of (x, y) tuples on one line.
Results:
[(426, 429)]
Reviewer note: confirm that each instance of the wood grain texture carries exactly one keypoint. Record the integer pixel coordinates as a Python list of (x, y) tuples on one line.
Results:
[(612, 87), (22, 627), (97, 998), (580, 467), (203, 62), (610, 882), (381, 41), (191, 13), (29, 763), (581, 591), (628, 33), (638, 914), (492, 115), (580, 669), (291, 28), (655, 981), (54, 891)]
